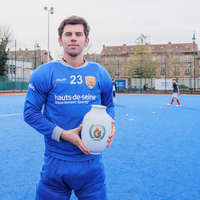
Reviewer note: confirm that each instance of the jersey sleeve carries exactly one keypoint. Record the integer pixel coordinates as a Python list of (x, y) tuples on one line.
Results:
[(39, 86), (106, 86)]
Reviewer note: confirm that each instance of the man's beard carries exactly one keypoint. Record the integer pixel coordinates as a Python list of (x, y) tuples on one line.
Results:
[(73, 54)]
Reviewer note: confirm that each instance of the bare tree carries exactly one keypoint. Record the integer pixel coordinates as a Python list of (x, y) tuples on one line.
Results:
[(141, 62), (5, 39)]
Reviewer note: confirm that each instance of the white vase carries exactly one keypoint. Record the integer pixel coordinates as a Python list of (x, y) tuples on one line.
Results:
[(97, 126)]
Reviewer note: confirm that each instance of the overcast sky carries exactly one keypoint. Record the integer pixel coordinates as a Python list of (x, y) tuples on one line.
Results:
[(113, 22)]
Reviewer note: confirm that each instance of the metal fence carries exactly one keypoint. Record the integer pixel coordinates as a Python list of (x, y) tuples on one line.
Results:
[(18, 74), (186, 85), (15, 85)]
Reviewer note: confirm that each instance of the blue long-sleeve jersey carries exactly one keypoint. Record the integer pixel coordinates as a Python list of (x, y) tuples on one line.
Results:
[(175, 87), (59, 96)]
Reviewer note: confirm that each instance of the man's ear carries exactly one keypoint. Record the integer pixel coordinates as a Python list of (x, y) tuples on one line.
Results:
[(87, 40), (60, 41)]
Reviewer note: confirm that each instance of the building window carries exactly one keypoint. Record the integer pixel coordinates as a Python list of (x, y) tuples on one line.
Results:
[(117, 71), (162, 70), (177, 70), (177, 58), (12, 69), (107, 60), (163, 59), (130, 59), (187, 69), (187, 58), (153, 58)]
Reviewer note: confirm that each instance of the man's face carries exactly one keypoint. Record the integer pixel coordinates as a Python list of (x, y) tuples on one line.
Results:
[(73, 39)]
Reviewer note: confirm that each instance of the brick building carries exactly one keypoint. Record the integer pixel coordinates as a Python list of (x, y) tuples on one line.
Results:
[(21, 63), (180, 60)]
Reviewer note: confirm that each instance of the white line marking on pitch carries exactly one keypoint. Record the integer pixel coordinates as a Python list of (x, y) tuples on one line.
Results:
[(10, 115)]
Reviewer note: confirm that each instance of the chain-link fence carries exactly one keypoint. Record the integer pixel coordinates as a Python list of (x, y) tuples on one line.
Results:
[(142, 85), (12, 85), (18, 74)]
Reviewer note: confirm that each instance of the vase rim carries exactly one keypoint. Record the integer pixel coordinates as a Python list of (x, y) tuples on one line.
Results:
[(98, 106)]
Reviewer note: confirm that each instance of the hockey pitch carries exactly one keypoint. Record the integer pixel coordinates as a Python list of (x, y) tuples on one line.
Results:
[(155, 154)]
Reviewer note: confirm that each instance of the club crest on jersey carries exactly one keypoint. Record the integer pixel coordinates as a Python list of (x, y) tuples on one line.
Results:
[(90, 81)]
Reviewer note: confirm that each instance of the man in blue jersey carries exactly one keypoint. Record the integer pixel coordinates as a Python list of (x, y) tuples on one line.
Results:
[(175, 92), (66, 89)]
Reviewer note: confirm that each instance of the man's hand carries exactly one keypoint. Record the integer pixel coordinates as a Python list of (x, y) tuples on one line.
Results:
[(111, 136), (72, 136)]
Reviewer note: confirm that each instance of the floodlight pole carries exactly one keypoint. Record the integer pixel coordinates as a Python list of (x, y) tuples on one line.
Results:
[(194, 55), (117, 72), (165, 75), (49, 11), (36, 47)]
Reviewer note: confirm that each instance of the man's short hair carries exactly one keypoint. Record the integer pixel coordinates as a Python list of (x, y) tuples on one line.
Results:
[(74, 20)]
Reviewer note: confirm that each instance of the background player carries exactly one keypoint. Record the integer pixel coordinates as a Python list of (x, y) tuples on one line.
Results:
[(114, 89), (175, 92)]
